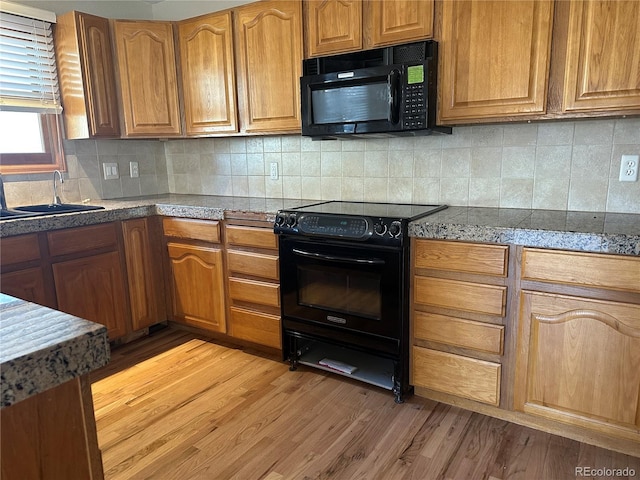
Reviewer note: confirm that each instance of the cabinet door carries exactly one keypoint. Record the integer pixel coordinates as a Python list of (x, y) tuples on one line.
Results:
[(197, 284), (397, 21), (143, 273), (87, 77), (602, 70), (207, 68), (269, 55), (93, 288), (147, 72), (333, 26), (26, 284), (494, 59), (578, 362)]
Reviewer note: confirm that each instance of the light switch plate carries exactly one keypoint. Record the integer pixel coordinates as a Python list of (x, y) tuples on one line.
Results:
[(110, 171), (133, 169)]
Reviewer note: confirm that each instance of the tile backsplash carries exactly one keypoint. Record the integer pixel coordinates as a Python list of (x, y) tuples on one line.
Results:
[(569, 165)]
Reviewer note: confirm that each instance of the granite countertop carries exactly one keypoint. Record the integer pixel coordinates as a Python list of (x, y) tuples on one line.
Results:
[(582, 231), (41, 348)]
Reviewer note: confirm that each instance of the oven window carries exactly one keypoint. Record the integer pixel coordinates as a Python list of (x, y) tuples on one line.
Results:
[(338, 290)]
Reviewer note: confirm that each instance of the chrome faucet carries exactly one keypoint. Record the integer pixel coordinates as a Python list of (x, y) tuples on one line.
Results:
[(3, 199), (56, 198)]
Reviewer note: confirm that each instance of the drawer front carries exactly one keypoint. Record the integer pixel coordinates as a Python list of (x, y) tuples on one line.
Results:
[(457, 295), (205, 230), (483, 337), (22, 248), (615, 272), (255, 264), (251, 237), (75, 240), (256, 327), (462, 257), (254, 292), (457, 375)]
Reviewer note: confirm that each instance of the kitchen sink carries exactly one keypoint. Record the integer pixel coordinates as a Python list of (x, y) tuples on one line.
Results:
[(52, 209), (9, 213)]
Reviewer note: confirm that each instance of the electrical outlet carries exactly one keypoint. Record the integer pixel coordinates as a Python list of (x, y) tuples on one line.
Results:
[(629, 168), (110, 171), (274, 170), (133, 169)]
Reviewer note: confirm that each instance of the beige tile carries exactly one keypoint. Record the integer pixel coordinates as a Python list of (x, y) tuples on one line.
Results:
[(485, 162), (130, 186), (90, 189), (487, 135), (461, 137), (624, 197), (255, 145), (149, 185), (255, 164), (291, 163), (550, 193), (355, 145), (291, 143), (553, 162), (352, 189), (353, 164), (627, 131), (256, 186), (427, 163), (375, 144), (456, 162), (331, 188), (518, 162), (376, 164), (238, 163), (555, 133), (291, 187), (331, 164), (310, 164), (273, 188), (401, 164), (520, 134), (375, 189), (588, 194), (311, 188), (426, 190), (429, 142), (454, 191), (309, 145), (237, 145), (484, 192), (594, 132), (516, 192), (331, 145), (400, 190), (240, 186)]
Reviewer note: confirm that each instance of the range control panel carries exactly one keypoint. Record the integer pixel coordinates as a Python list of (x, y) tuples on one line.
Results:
[(383, 231)]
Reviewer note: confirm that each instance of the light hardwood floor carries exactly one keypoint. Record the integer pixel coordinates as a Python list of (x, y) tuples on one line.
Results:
[(177, 406)]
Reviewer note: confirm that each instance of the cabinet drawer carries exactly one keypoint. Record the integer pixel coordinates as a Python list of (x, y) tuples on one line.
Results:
[(22, 248), (457, 375), (457, 295), (255, 327), (484, 337), (251, 237), (255, 264), (616, 272), (205, 230), (83, 239), (462, 257), (254, 292)]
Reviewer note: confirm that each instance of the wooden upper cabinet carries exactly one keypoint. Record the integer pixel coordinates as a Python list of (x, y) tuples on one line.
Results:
[(269, 54), (398, 21), (602, 65), (207, 68), (494, 59), (87, 77), (332, 26), (148, 80)]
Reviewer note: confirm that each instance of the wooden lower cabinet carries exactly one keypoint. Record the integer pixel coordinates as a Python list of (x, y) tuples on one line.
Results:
[(27, 284), (93, 288), (144, 274), (253, 284), (578, 362), (197, 286)]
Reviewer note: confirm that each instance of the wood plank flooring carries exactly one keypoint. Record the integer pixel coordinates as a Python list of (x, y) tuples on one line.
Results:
[(177, 406)]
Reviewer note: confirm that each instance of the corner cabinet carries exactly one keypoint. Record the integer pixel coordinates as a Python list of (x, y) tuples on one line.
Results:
[(208, 73), (196, 276), (268, 41), (146, 63), (87, 77), (494, 59), (602, 65), (578, 346)]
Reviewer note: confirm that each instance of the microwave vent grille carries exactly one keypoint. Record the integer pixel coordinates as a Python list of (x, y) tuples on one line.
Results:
[(413, 52)]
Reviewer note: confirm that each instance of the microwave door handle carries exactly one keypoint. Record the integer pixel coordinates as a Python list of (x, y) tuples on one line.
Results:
[(394, 96), (335, 258)]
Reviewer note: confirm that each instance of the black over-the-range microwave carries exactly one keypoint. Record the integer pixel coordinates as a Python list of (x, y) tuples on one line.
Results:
[(387, 91)]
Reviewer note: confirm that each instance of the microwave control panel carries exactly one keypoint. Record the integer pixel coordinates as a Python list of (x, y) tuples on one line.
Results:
[(415, 106)]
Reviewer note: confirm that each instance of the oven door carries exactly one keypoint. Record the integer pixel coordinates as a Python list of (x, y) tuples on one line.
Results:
[(347, 287)]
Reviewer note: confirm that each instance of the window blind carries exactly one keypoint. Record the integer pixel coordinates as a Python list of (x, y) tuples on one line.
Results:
[(28, 76)]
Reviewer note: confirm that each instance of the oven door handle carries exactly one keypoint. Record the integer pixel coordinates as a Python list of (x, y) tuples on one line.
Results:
[(334, 258)]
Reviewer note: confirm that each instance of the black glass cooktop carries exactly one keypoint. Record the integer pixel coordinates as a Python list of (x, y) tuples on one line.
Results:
[(370, 209)]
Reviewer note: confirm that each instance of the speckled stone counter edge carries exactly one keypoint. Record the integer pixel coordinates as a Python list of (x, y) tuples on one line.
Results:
[(40, 369), (533, 228)]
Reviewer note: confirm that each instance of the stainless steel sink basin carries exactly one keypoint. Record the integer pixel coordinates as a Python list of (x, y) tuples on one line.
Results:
[(52, 209)]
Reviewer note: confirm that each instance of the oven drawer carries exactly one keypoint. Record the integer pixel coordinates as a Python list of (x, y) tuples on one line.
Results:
[(205, 230), (466, 377), (255, 264), (256, 327), (457, 295), (462, 257), (483, 337), (251, 291)]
